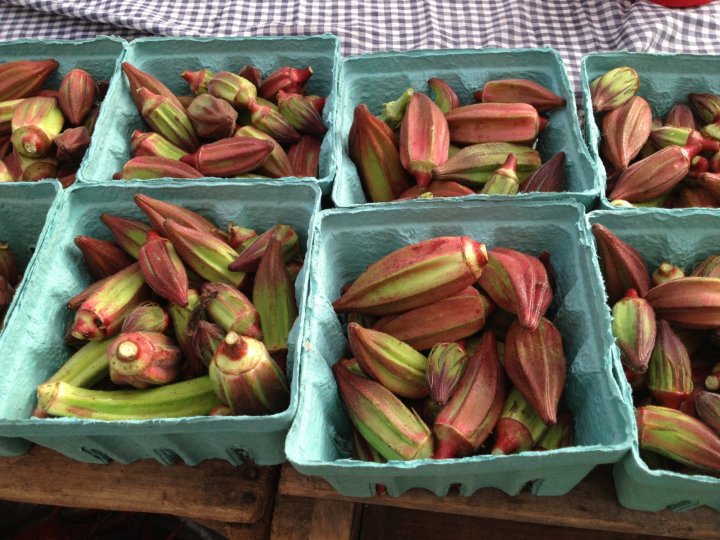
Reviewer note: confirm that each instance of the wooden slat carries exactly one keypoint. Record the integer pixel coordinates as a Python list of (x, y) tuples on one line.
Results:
[(291, 518), (260, 530), (300, 518), (591, 505), (238, 531), (333, 520), (390, 523), (213, 490)]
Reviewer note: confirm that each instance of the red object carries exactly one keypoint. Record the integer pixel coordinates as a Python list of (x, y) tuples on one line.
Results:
[(681, 3)]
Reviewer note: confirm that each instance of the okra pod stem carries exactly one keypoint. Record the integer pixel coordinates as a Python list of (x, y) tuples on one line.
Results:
[(86, 367), (83, 369), (194, 397)]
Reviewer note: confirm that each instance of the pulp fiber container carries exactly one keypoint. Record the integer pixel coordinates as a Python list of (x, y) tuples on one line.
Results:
[(346, 241), (24, 208), (684, 237), (377, 78), (34, 345), (98, 56), (665, 79), (167, 58)]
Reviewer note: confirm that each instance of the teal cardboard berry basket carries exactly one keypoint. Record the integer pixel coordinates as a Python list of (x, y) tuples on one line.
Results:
[(24, 210), (665, 79), (685, 238), (35, 348), (99, 56), (377, 78), (345, 242), (167, 58)]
